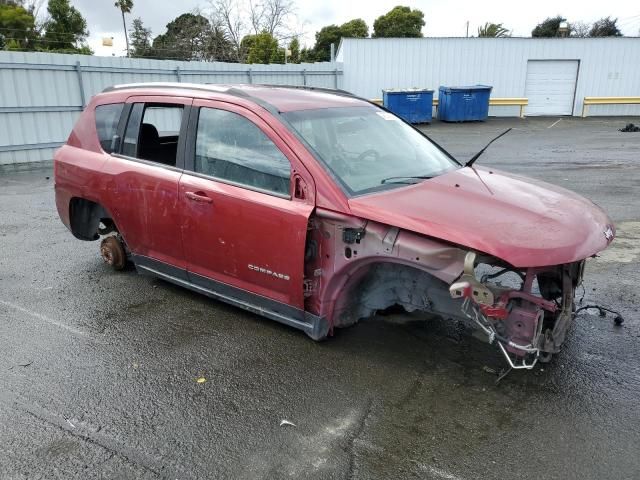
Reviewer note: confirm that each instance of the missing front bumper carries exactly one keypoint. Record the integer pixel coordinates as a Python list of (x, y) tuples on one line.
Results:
[(527, 326)]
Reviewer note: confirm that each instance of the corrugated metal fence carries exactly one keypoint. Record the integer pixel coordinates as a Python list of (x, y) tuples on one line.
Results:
[(42, 94)]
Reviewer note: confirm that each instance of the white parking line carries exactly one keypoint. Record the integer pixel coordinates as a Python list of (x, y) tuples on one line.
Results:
[(554, 123), (43, 318)]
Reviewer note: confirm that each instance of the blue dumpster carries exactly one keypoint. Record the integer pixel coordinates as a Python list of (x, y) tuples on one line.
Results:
[(464, 104), (412, 105)]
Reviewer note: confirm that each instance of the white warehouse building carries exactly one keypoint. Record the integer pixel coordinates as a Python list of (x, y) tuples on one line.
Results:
[(554, 74)]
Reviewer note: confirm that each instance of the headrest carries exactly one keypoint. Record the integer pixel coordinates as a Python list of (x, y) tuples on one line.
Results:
[(149, 133)]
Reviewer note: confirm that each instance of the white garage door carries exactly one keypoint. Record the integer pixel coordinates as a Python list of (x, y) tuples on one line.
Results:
[(551, 86)]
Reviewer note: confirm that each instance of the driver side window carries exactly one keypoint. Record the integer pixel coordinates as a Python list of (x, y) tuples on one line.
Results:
[(230, 147)]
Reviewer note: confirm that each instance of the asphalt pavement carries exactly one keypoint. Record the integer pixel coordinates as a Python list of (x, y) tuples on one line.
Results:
[(115, 375)]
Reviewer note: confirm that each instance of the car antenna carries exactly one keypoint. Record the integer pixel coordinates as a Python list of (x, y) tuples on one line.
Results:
[(475, 157)]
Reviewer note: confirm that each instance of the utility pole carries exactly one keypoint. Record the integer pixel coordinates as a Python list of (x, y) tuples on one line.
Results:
[(467, 28)]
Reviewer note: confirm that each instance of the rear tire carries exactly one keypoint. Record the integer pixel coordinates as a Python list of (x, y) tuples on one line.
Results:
[(113, 253)]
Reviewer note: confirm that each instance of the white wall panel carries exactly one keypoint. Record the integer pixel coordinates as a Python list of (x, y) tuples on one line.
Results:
[(608, 66)]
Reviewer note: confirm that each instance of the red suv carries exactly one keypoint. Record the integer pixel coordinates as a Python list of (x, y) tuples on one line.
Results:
[(316, 208)]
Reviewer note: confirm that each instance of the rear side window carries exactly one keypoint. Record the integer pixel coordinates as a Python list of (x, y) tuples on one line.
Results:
[(231, 147), (152, 132), (166, 120), (107, 118)]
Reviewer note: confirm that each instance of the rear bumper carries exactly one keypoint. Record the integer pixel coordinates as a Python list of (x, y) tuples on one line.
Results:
[(63, 199)]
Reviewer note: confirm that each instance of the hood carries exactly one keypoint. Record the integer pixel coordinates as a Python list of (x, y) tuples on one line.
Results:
[(522, 221)]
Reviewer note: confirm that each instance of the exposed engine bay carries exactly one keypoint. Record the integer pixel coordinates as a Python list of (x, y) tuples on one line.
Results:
[(354, 269), (528, 323)]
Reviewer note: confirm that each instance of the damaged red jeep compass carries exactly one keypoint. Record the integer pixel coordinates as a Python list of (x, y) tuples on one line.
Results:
[(316, 208)]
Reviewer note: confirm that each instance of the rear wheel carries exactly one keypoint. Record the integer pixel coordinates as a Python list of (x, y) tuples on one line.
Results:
[(113, 252)]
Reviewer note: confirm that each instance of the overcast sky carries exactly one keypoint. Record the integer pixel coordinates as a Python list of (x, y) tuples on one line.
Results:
[(443, 17)]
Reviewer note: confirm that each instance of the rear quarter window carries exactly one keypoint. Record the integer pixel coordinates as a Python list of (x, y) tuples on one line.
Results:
[(107, 118)]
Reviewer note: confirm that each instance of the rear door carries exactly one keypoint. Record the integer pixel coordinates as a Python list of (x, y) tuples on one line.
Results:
[(246, 201), (144, 175)]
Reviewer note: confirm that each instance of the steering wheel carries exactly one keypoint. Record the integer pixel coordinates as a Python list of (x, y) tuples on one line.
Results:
[(341, 165), (369, 153)]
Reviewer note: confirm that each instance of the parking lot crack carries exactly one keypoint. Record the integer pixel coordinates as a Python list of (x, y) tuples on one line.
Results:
[(357, 433)]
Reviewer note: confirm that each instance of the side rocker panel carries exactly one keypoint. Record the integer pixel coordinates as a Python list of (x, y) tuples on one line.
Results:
[(314, 326)]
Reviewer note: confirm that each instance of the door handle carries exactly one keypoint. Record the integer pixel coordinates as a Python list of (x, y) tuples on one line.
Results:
[(198, 197)]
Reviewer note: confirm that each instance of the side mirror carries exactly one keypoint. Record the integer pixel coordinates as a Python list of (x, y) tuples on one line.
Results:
[(115, 144)]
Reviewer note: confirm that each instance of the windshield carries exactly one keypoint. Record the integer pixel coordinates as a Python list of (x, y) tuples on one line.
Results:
[(368, 149)]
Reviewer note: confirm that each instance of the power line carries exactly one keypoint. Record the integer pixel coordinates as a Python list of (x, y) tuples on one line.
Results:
[(211, 53), (186, 52), (74, 36), (151, 57), (61, 34), (44, 40), (629, 21)]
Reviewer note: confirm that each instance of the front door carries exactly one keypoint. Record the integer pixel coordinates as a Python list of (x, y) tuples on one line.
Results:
[(243, 225)]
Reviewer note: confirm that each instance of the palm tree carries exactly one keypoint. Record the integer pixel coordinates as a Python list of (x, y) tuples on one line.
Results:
[(125, 6), (493, 30)]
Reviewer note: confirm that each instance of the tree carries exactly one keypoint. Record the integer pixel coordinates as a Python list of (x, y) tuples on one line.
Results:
[(218, 47), (33, 7), (66, 29), (399, 22), (227, 14), (549, 27), (324, 38), (356, 28), (271, 16), (245, 45), (125, 6), (294, 48), (321, 52), (307, 55), (580, 29), (494, 30), (240, 19), (185, 38), (192, 37), (605, 27), (263, 49), (17, 28), (140, 39)]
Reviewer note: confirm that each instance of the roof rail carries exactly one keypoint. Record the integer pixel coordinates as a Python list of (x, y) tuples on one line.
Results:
[(190, 86), (221, 87), (335, 91), (231, 89)]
